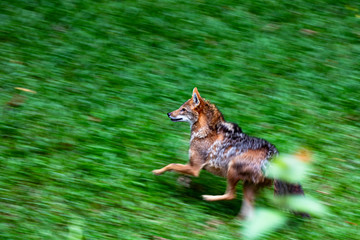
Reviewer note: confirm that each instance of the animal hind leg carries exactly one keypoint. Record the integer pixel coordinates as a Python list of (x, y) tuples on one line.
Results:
[(247, 207), (232, 179)]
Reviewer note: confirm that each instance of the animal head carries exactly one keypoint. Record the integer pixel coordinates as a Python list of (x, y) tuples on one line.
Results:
[(190, 110)]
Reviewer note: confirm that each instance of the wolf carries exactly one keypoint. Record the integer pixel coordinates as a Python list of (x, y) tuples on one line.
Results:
[(223, 149)]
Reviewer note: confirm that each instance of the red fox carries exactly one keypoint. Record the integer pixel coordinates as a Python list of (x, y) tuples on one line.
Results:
[(222, 148)]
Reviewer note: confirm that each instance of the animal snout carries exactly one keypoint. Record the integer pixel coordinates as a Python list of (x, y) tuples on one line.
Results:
[(169, 114)]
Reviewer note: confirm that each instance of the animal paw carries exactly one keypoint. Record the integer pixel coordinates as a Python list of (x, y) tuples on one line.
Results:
[(157, 172), (218, 197), (208, 197)]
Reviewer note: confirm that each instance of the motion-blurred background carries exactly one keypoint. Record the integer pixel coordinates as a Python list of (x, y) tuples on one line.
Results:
[(84, 91)]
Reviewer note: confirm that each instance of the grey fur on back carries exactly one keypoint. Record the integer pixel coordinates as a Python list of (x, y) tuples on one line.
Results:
[(235, 143)]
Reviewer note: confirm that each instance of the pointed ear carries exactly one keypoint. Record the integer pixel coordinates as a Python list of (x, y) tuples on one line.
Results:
[(196, 97)]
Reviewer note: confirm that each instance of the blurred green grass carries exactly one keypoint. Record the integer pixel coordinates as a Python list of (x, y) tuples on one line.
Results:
[(81, 149)]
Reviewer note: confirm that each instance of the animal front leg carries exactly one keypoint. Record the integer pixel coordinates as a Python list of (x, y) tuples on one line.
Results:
[(180, 168)]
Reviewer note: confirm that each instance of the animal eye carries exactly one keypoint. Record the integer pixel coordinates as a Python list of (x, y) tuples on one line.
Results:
[(183, 109)]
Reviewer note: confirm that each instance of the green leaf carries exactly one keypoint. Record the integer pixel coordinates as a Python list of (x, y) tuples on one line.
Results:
[(287, 168), (263, 222), (75, 230), (306, 204)]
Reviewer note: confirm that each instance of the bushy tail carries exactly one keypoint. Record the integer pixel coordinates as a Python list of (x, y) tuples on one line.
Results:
[(282, 188)]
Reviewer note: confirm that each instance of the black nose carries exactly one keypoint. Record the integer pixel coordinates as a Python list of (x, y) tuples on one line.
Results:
[(168, 114)]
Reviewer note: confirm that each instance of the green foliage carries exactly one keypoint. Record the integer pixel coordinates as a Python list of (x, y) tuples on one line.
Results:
[(75, 230), (306, 204), (107, 72), (263, 221), (290, 169), (287, 168)]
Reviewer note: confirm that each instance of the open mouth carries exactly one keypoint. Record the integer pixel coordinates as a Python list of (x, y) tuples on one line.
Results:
[(176, 119)]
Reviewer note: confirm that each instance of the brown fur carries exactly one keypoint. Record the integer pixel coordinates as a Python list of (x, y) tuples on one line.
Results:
[(221, 148)]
